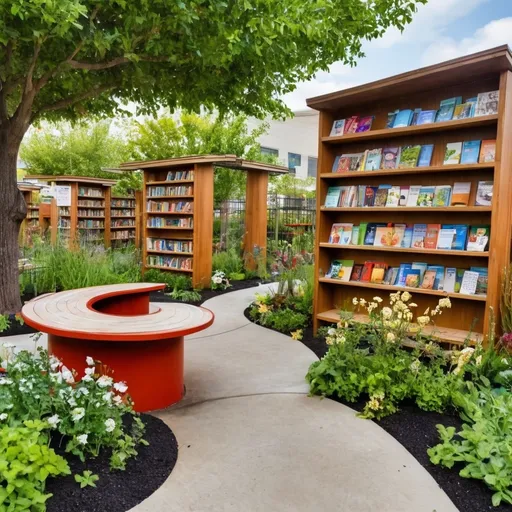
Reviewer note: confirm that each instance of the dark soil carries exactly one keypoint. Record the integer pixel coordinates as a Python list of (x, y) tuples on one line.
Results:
[(117, 491), (16, 328), (416, 431)]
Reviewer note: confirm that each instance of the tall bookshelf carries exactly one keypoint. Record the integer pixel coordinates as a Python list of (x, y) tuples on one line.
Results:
[(426, 88), (31, 223), (123, 222), (87, 218)]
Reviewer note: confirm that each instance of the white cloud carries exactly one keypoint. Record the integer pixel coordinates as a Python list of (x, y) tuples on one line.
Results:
[(495, 33)]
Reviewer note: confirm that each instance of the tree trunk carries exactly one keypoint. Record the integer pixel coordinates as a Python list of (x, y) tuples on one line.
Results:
[(12, 212)]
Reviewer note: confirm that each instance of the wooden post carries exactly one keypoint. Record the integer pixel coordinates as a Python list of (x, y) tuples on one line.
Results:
[(255, 217), (54, 221), (138, 218)]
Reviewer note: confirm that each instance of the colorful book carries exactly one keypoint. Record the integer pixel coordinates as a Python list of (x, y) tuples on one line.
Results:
[(484, 193), (421, 266), (404, 267), (458, 279), (414, 193), (336, 163), (426, 117), (409, 156), (366, 273), (393, 196), (381, 196), (445, 239), (403, 118), (371, 232), (426, 196), (363, 226), (469, 282), (364, 124), (487, 103), (487, 151), (378, 272), (356, 272), (463, 111), (425, 156), (446, 109), (391, 275), (338, 128), (439, 281), (345, 270), (449, 279), (481, 284), (418, 236), (460, 193), (404, 194), (334, 269), (460, 237), (470, 152), (351, 124), (478, 238), (355, 235), (415, 115), (333, 196), (431, 236), (390, 158), (388, 236), (350, 162), (472, 102), (373, 159), (452, 153), (341, 234), (428, 280), (391, 119), (442, 195), (412, 278), (369, 199), (407, 238)]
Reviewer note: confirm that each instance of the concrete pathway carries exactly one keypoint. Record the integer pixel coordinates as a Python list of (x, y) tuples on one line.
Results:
[(251, 440)]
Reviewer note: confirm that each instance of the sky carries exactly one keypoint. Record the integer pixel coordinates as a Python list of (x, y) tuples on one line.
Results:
[(440, 30)]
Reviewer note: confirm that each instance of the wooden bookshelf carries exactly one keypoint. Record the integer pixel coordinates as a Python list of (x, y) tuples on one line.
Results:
[(123, 221), (87, 219), (31, 223), (424, 88), (177, 211)]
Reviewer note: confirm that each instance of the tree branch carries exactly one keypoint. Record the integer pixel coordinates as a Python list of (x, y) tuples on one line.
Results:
[(118, 61), (30, 72)]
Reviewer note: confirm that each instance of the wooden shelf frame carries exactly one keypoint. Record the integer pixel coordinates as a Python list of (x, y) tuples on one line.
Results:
[(425, 88)]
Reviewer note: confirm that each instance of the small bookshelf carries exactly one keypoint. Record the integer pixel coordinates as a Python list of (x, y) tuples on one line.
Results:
[(123, 221), (423, 89), (31, 223)]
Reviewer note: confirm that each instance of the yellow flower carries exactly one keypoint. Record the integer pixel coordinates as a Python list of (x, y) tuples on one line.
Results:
[(445, 303), (423, 320), (386, 313), (406, 296), (355, 301), (362, 302), (478, 360), (413, 305), (390, 338), (297, 335), (373, 404), (377, 299), (263, 309)]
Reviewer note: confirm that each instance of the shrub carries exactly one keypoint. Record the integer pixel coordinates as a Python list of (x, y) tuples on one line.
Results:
[(172, 280), (229, 262)]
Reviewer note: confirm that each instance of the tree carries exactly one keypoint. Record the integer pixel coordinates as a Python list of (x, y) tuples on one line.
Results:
[(193, 134), (290, 186), (65, 59), (80, 150)]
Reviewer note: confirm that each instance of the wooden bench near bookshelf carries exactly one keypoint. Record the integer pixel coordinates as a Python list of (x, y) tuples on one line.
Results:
[(489, 74)]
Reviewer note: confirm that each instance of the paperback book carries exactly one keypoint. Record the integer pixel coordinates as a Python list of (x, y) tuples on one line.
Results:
[(460, 237), (418, 236), (390, 158), (381, 196), (431, 236), (487, 103), (409, 156), (470, 152), (449, 279), (460, 194), (364, 124), (373, 159), (403, 118), (425, 156), (351, 124), (426, 117), (442, 195), (487, 151), (428, 280), (452, 153), (332, 198), (341, 234), (414, 193), (378, 272), (426, 196), (478, 238), (338, 127), (484, 193), (393, 196)]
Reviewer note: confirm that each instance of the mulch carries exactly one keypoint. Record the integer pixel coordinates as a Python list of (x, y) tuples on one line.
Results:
[(116, 491)]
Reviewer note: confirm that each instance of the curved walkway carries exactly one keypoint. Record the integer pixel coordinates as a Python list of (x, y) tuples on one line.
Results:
[(251, 440)]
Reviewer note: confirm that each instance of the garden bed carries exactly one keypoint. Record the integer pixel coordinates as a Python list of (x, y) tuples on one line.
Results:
[(117, 491)]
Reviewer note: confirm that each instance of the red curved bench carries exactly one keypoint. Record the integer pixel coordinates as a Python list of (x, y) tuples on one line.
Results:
[(117, 325)]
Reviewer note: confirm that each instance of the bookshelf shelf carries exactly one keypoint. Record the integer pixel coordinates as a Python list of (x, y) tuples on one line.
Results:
[(470, 254), (170, 213), (179, 253), (132, 226), (168, 182), (389, 133), (176, 228), (425, 89), (188, 270), (151, 198)]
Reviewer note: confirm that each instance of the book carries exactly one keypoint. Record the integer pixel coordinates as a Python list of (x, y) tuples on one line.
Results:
[(356, 272), (363, 226), (445, 239), (461, 234), (378, 272), (470, 152), (414, 193), (336, 164), (404, 194), (391, 275), (364, 124), (463, 111), (446, 109), (409, 156), (341, 234), (334, 269), (338, 128), (431, 236), (332, 198), (415, 115), (472, 102), (484, 193), (350, 162), (391, 119), (418, 236), (469, 282), (390, 158), (487, 151), (373, 159), (442, 195), (355, 235), (452, 153), (419, 265), (481, 284), (345, 270), (369, 197), (439, 281), (426, 196), (428, 280), (371, 231), (426, 117), (351, 124), (407, 238), (487, 103), (425, 156), (381, 195), (458, 279), (478, 238), (388, 236), (404, 267), (449, 279), (403, 118), (460, 193), (412, 278), (393, 196), (367, 271)]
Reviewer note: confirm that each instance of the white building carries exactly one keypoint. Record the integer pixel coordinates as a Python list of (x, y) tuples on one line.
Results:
[(294, 141)]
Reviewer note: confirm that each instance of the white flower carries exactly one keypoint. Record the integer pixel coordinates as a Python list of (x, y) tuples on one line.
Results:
[(89, 371), (415, 366), (104, 381), (217, 279), (386, 313), (110, 425), (83, 391), (107, 396), (89, 360), (118, 400), (390, 338), (54, 363), (121, 387), (423, 320), (53, 421), (5, 382), (331, 331), (67, 375), (87, 378), (82, 439), (72, 402), (406, 296), (377, 299), (478, 360), (4, 364), (77, 414), (355, 301), (445, 303), (3, 416), (413, 305), (504, 361)]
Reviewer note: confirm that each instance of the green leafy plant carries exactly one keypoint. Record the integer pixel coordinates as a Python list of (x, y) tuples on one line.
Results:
[(185, 295), (87, 479), (26, 462), (229, 262), (4, 322), (219, 281), (236, 276)]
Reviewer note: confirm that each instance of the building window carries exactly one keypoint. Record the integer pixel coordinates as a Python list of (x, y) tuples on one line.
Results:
[(269, 151), (312, 164), (294, 160)]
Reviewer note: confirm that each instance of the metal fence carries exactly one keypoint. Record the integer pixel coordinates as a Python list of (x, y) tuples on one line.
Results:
[(286, 216)]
